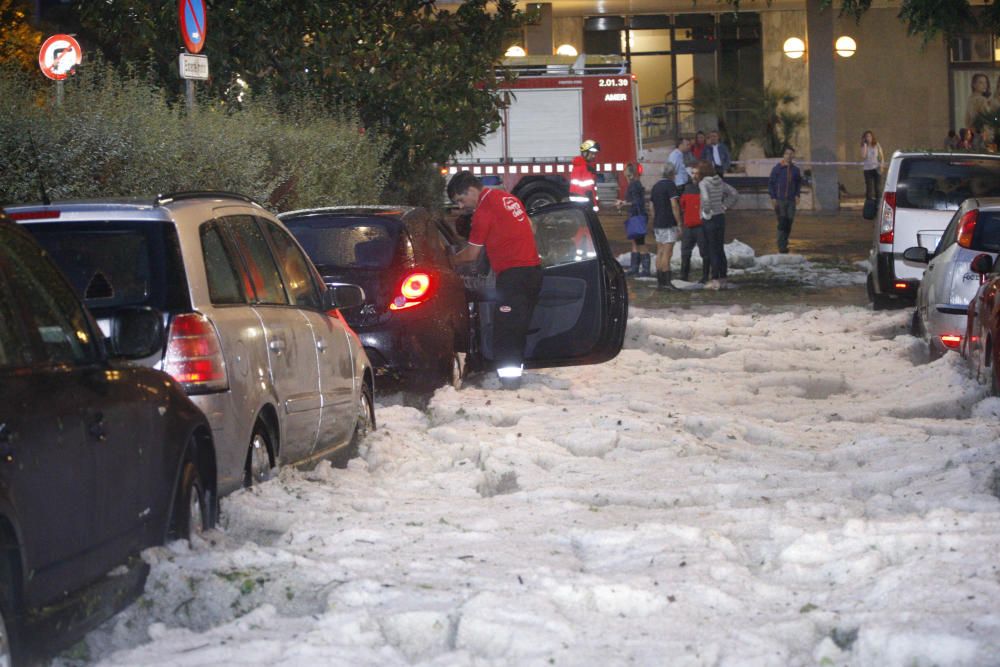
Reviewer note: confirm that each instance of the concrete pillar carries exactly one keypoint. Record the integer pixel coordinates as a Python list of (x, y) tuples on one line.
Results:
[(538, 35), (822, 104)]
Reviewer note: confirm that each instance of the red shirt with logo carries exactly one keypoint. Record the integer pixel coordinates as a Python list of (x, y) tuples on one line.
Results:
[(501, 224)]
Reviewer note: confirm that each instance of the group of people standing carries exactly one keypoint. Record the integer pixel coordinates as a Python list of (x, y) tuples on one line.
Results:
[(689, 204)]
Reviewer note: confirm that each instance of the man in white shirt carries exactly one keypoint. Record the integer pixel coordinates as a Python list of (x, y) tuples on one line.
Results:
[(719, 153)]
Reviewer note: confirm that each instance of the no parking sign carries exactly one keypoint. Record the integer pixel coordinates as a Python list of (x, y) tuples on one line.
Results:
[(58, 56), (191, 14)]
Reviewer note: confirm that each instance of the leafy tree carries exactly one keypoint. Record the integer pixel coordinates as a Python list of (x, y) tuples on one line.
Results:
[(418, 74), (19, 42)]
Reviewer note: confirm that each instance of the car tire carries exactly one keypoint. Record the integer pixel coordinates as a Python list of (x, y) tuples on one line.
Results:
[(8, 596), (454, 370), (194, 507), (365, 424), (878, 301), (260, 457), (539, 194)]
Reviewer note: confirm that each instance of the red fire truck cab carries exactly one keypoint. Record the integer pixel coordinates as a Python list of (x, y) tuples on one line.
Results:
[(553, 105)]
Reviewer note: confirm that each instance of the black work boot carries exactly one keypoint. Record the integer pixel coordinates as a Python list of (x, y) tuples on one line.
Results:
[(685, 268), (663, 280), (704, 273), (644, 260), (634, 266)]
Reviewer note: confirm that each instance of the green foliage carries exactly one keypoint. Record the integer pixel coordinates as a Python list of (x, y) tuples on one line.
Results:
[(19, 41), (421, 76), (120, 135), (745, 114)]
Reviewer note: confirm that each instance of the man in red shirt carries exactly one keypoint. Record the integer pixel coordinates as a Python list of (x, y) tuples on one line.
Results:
[(501, 226)]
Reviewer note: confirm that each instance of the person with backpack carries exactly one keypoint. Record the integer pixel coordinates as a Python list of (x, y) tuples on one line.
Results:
[(693, 233)]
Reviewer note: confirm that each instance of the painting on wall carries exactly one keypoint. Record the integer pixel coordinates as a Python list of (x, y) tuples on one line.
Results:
[(974, 91)]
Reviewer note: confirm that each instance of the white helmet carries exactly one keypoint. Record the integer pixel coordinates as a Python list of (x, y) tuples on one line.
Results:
[(589, 146)]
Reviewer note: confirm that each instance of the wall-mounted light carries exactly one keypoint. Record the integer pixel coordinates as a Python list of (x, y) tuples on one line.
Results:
[(567, 50), (516, 52), (845, 46), (794, 48)]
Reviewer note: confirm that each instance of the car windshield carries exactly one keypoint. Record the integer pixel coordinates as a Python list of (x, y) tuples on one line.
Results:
[(363, 242), (943, 184), (114, 264)]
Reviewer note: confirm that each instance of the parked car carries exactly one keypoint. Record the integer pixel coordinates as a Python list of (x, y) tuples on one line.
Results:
[(948, 283), (414, 323), (979, 346), (421, 313), (922, 191), (253, 334), (99, 459)]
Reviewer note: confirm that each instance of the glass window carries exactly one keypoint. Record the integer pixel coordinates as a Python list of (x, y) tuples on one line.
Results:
[(223, 276), (987, 234), (15, 348), (347, 241), (950, 234), (295, 268), (115, 263), (563, 237), (54, 316), (930, 183), (264, 278)]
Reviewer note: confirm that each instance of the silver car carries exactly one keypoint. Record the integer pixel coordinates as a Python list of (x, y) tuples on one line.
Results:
[(254, 336), (948, 283)]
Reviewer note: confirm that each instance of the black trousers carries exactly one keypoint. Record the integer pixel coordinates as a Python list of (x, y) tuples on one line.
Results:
[(871, 183), (517, 294)]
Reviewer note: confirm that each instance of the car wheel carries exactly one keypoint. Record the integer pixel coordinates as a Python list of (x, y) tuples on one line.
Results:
[(917, 324), (7, 606), (879, 301), (260, 462), (365, 424), (194, 508), (455, 370)]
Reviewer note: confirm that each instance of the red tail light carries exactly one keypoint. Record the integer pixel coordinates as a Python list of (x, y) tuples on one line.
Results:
[(413, 291), (34, 215), (887, 224), (951, 341), (967, 227), (900, 285), (194, 354)]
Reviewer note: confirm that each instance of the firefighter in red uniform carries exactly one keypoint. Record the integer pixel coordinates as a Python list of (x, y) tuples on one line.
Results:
[(501, 226), (582, 180)]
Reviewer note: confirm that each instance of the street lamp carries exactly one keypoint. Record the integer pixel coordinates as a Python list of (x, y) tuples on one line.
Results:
[(516, 51), (845, 46), (794, 48)]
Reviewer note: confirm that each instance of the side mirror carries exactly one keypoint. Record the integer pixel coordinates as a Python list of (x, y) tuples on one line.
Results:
[(342, 295), (982, 264), (916, 254), (137, 333)]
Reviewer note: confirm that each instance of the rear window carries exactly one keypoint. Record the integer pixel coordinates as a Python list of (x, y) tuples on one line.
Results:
[(934, 183), (347, 241), (987, 235), (115, 264)]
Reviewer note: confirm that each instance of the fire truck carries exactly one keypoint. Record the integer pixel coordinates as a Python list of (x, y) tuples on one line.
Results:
[(553, 105)]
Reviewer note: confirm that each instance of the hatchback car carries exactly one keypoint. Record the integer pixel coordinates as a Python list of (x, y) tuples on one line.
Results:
[(982, 334), (99, 459), (414, 323), (253, 334), (579, 319), (922, 192), (948, 283)]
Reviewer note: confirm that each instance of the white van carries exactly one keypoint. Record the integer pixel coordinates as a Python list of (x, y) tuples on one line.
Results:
[(922, 192)]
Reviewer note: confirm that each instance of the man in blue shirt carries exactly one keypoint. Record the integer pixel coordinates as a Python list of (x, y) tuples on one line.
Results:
[(677, 158), (784, 187)]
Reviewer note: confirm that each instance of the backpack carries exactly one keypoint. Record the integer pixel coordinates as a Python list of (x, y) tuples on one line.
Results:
[(690, 203)]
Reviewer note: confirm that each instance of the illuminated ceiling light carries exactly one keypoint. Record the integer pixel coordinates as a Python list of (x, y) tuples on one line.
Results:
[(794, 48), (516, 52), (845, 46), (567, 50)]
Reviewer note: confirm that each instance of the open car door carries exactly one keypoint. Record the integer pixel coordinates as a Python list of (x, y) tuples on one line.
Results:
[(583, 305)]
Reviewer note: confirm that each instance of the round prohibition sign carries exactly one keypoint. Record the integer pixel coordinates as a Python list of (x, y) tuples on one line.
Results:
[(193, 20), (58, 56)]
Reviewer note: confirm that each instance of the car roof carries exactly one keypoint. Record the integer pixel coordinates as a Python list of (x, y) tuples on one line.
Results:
[(944, 154), (351, 210), (163, 207)]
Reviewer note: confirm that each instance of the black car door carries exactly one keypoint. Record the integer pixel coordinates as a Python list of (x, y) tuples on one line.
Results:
[(49, 419), (583, 305)]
